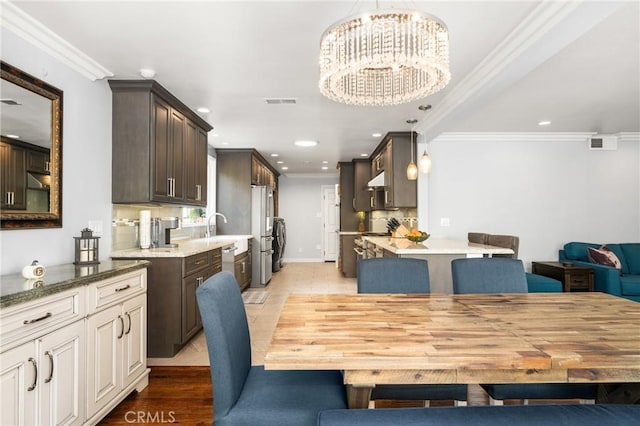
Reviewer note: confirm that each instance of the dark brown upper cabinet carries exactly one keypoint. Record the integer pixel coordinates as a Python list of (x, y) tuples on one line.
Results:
[(159, 147)]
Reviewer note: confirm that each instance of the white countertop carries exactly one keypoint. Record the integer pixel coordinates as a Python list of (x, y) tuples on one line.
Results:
[(185, 247), (434, 246)]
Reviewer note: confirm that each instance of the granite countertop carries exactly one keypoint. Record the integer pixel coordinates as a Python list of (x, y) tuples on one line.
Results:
[(434, 246), (15, 289), (185, 247)]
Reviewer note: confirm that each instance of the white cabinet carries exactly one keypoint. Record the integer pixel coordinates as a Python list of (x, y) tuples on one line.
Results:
[(116, 341), (70, 357), (42, 379)]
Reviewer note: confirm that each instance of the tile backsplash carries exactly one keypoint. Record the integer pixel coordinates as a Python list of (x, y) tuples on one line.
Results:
[(126, 219), (378, 218)]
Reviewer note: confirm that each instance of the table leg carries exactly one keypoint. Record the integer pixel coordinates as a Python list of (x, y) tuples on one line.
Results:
[(618, 393), (358, 396)]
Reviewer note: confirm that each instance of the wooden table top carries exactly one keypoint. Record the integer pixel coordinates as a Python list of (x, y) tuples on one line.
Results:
[(481, 338)]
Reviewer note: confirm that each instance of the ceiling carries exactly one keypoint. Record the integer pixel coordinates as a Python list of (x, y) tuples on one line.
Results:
[(513, 64)]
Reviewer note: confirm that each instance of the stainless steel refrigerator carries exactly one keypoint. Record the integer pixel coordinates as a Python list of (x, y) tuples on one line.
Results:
[(262, 230)]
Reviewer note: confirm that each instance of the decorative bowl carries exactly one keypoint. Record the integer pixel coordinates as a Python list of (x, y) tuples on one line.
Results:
[(418, 238)]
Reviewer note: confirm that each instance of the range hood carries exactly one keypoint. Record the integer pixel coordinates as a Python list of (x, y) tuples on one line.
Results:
[(377, 181)]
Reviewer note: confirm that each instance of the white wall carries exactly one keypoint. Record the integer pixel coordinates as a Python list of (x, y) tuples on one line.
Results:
[(300, 204), (86, 159), (548, 193)]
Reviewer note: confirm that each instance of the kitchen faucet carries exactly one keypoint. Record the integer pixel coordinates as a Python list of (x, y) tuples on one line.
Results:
[(208, 232)]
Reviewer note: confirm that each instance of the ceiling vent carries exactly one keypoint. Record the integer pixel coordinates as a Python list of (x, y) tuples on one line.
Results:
[(280, 101), (603, 143)]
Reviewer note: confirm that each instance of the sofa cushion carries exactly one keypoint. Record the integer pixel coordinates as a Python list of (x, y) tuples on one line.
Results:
[(632, 256), (630, 285), (578, 251), (619, 252), (603, 256)]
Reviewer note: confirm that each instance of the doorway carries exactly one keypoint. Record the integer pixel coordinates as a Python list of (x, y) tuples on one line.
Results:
[(330, 223)]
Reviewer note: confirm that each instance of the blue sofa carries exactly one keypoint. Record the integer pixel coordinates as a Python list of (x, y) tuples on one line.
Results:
[(608, 279), (494, 415)]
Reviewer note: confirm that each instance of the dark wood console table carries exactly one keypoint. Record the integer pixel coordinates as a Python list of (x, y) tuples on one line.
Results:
[(573, 277)]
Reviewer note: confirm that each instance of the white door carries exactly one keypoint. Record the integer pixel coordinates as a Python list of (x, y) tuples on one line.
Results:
[(18, 385), (330, 223), (134, 339), (62, 376)]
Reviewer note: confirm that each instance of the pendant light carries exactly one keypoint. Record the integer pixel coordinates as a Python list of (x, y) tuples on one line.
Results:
[(425, 163), (412, 169)]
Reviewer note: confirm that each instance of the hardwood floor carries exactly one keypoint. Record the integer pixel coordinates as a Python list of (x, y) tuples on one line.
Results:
[(175, 395)]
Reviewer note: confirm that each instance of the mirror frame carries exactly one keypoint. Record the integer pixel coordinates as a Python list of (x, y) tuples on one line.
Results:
[(52, 219)]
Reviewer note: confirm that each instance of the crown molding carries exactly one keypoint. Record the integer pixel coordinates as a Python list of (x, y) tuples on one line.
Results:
[(25, 26), (328, 175), (514, 136)]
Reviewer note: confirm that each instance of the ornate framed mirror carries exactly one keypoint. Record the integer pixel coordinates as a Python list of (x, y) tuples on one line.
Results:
[(31, 151)]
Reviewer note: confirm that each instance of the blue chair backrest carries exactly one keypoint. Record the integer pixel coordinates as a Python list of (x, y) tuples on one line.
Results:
[(393, 275), (228, 342), (488, 275)]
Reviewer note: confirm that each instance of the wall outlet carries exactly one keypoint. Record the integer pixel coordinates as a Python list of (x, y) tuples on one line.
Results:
[(445, 221)]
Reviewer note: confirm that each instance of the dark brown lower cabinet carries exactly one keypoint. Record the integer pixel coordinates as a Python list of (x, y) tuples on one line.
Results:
[(172, 310)]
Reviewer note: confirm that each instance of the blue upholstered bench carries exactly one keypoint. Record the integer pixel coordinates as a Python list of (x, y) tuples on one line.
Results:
[(509, 415)]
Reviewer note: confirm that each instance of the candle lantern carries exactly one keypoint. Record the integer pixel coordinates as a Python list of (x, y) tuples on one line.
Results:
[(86, 248)]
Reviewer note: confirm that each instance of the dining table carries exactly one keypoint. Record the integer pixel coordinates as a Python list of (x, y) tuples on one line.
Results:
[(462, 339)]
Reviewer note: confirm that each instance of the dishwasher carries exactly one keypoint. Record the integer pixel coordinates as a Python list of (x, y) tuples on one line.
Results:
[(228, 258)]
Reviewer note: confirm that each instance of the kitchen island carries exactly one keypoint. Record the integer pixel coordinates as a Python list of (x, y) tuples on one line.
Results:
[(438, 252)]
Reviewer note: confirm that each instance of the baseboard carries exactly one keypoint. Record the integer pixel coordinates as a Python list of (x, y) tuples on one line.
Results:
[(303, 260)]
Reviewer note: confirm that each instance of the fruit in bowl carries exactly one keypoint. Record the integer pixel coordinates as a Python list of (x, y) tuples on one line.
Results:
[(417, 236)]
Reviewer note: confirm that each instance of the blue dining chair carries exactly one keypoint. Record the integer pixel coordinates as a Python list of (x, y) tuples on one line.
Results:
[(400, 275), (504, 275), (246, 395)]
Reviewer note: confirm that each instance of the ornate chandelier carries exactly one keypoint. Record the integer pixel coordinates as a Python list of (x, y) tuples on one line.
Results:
[(384, 58)]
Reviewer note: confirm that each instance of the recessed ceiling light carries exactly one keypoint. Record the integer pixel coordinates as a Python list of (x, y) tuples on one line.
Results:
[(147, 73), (279, 162), (544, 123), (203, 110), (364, 154), (215, 135), (275, 155), (284, 168), (325, 162), (225, 143), (424, 107), (306, 143), (13, 136), (325, 168), (376, 135)]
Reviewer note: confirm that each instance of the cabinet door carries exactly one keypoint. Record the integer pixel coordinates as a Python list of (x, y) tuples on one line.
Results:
[(388, 175), (191, 322), (195, 165), (160, 140), (13, 161), (61, 381), (38, 162), (361, 194), (256, 171), (104, 367), (176, 155), (18, 385), (134, 347)]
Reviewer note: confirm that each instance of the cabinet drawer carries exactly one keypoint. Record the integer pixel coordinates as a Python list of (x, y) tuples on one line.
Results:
[(33, 319), (579, 281), (196, 262), (114, 290), (216, 261)]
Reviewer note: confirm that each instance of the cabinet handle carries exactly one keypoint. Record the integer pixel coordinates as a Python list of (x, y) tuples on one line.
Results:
[(199, 281), (371, 202), (199, 262), (198, 192), (128, 286), (122, 326), (35, 379), (129, 319), (31, 321), (168, 187), (173, 187), (48, 379), (47, 166), (386, 197), (244, 264)]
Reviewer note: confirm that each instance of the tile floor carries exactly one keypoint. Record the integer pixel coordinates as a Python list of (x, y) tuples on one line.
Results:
[(262, 318)]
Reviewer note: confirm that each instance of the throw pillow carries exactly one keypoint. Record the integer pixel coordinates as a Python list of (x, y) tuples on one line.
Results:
[(604, 256)]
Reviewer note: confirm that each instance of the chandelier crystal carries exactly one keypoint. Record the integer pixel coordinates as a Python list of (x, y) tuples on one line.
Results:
[(384, 58)]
